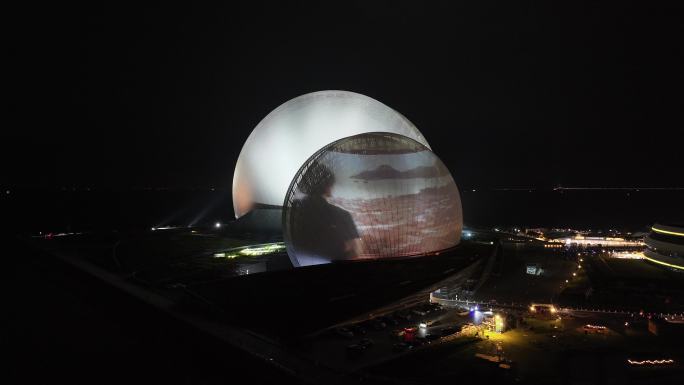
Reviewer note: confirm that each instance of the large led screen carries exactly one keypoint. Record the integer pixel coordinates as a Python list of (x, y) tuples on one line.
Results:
[(376, 195), (298, 128)]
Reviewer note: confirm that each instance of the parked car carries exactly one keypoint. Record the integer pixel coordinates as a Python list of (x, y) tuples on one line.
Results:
[(367, 324), (403, 315), (355, 349), (401, 346), (358, 329), (344, 332), (378, 324), (366, 342), (450, 330)]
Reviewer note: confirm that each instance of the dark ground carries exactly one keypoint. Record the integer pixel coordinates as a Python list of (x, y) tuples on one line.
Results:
[(63, 326), (66, 327)]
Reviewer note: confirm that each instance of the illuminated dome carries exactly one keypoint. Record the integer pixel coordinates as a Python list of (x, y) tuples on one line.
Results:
[(291, 133), (370, 196)]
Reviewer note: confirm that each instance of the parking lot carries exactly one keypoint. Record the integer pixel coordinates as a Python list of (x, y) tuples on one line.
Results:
[(385, 338)]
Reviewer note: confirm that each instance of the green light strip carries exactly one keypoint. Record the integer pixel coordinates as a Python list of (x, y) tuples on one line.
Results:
[(667, 232), (252, 251), (663, 263)]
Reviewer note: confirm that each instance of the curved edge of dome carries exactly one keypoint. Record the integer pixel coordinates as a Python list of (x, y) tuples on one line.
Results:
[(238, 212)]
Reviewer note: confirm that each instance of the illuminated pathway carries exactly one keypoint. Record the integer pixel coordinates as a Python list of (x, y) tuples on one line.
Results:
[(465, 304)]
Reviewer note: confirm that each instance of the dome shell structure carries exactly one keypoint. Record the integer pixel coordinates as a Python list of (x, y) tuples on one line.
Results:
[(294, 131), (370, 196)]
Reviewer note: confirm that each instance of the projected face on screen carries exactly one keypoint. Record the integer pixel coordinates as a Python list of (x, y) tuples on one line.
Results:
[(368, 196)]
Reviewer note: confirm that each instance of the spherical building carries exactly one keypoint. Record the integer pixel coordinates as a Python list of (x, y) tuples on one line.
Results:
[(294, 131), (370, 196), (665, 245), (362, 203)]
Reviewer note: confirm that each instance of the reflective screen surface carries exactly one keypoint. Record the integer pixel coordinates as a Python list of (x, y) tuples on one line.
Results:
[(294, 131), (369, 196)]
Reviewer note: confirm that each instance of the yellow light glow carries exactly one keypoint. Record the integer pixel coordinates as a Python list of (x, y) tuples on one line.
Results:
[(663, 263), (667, 232), (498, 323)]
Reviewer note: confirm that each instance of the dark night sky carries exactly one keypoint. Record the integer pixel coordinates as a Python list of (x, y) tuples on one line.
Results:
[(507, 95)]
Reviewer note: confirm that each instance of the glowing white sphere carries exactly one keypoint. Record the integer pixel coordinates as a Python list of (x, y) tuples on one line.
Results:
[(295, 130)]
